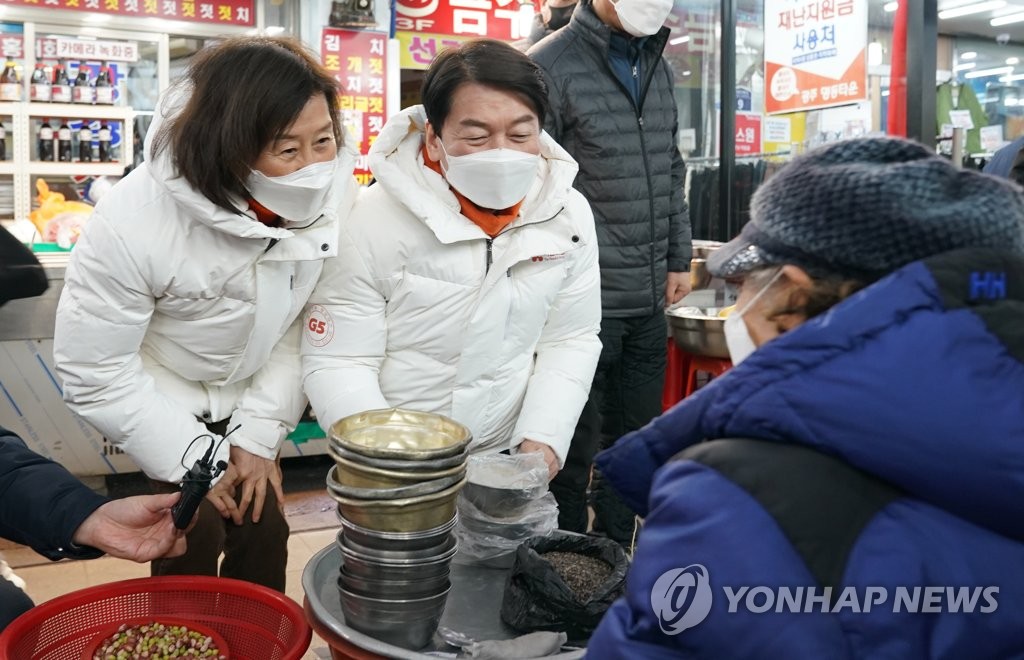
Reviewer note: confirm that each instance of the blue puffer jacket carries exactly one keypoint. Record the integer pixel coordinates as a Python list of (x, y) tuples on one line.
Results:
[(917, 381)]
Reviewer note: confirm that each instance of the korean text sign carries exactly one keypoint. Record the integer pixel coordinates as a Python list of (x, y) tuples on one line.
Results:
[(222, 12), (498, 19), (815, 53), (358, 61)]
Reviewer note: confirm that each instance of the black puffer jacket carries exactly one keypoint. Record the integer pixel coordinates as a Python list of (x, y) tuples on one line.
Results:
[(630, 167)]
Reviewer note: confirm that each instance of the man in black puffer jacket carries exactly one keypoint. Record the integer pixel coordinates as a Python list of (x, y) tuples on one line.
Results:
[(613, 109)]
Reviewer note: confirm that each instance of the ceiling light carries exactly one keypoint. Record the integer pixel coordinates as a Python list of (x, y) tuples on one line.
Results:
[(975, 8), (1013, 60), (679, 40), (891, 6), (1014, 78), (1006, 20), (981, 73), (965, 66), (274, 30), (969, 55)]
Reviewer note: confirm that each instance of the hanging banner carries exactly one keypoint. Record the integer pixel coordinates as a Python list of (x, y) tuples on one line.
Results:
[(107, 51), (748, 133), (498, 19), (223, 12), (417, 50), (815, 53), (358, 61)]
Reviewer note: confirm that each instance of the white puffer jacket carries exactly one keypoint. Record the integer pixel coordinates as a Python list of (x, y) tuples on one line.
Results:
[(421, 310), (175, 309)]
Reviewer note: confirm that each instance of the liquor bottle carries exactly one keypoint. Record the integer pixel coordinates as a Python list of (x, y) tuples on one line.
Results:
[(85, 142), (64, 142), (40, 89), (3, 142), (104, 138), (45, 141), (83, 91), (10, 86), (61, 90), (104, 87)]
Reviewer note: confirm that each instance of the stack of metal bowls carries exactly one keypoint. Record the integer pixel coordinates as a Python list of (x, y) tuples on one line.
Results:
[(396, 477)]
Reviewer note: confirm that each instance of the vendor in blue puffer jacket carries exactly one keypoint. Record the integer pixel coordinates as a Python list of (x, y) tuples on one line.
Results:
[(854, 487)]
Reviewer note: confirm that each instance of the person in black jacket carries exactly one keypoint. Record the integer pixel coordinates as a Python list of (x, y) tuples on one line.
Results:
[(613, 109), (44, 506)]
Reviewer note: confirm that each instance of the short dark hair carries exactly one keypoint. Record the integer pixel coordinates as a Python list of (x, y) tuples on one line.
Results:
[(245, 92), (487, 62)]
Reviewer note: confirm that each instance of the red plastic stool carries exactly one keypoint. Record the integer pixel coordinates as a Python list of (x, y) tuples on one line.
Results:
[(702, 364), (675, 370)]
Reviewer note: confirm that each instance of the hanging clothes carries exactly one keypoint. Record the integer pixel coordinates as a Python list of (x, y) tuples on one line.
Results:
[(964, 100)]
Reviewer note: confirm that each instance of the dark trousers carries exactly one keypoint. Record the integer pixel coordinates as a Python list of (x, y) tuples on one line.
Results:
[(625, 396), (13, 602), (255, 552)]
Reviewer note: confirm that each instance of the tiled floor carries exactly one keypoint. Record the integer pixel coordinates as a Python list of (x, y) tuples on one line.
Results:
[(310, 514)]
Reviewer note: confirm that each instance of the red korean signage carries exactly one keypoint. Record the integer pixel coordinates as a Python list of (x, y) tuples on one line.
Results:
[(358, 61), (497, 19), (221, 12), (748, 133)]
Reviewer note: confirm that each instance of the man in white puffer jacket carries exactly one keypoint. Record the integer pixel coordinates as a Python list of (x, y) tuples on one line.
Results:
[(467, 281), (181, 301)]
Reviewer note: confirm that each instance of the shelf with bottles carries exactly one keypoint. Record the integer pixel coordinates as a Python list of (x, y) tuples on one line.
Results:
[(51, 84), (87, 145)]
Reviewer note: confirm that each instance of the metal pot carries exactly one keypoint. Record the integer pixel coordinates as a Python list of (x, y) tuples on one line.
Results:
[(389, 589), (392, 493), (411, 514), (703, 249), (408, 623), (373, 539), (445, 546), (356, 475), (336, 449), (401, 434), (362, 565), (698, 334)]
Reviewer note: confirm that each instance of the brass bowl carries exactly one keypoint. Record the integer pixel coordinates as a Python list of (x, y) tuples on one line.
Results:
[(698, 334), (410, 514), (399, 433), (356, 475), (703, 249), (395, 492)]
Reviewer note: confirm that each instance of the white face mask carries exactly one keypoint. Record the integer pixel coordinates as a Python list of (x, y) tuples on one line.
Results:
[(737, 336), (296, 197), (642, 18), (492, 179)]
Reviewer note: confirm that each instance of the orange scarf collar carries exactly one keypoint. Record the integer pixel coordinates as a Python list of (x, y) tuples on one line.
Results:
[(263, 214), (492, 222)]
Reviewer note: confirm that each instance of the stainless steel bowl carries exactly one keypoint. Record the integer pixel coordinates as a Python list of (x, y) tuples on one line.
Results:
[(408, 623), (402, 434), (373, 539), (392, 493), (698, 334), (391, 589), (396, 569), (424, 464), (445, 546), (411, 514), (356, 475)]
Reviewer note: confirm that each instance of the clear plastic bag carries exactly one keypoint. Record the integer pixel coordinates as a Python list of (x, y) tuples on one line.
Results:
[(524, 512), (503, 485)]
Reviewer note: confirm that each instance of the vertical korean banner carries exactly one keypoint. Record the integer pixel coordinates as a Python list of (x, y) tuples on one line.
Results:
[(815, 53), (358, 61)]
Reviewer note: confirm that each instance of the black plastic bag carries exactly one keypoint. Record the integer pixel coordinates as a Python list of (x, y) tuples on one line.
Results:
[(536, 597)]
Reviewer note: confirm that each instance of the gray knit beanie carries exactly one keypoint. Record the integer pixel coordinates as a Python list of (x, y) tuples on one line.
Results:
[(863, 208)]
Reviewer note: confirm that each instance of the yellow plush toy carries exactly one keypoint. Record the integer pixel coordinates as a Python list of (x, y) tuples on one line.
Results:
[(58, 220)]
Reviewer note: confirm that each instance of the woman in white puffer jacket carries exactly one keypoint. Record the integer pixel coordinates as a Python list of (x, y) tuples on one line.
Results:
[(178, 315), (467, 282)]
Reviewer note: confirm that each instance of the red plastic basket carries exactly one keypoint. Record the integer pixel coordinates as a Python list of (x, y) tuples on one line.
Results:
[(256, 622)]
